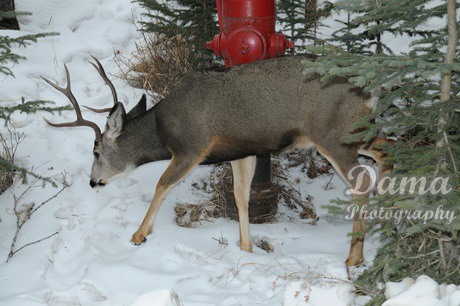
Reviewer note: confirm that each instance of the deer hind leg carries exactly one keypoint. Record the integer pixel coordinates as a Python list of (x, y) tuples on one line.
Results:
[(179, 168), (243, 172), (343, 158), (375, 150)]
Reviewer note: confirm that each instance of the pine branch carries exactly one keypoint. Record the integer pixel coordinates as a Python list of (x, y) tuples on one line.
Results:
[(13, 14), (411, 104), (7, 166), (7, 56), (30, 107), (193, 20)]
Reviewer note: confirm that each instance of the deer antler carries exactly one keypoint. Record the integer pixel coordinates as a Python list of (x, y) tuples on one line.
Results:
[(100, 69), (80, 121)]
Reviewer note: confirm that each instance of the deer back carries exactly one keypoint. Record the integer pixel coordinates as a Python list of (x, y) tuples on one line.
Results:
[(258, 108)]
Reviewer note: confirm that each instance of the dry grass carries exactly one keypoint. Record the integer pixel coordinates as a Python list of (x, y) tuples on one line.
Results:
[(221, 181), (6, 180), (191, 215), (311, 161), (9, 142), (158, 64)]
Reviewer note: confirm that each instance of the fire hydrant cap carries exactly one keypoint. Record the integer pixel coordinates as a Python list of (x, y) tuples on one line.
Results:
[(246, 45)]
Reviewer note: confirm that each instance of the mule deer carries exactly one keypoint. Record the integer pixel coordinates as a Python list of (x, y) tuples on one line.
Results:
[(210, 117)]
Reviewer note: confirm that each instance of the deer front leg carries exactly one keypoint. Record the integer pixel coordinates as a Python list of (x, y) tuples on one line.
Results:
[(179, 167), (243, 172)]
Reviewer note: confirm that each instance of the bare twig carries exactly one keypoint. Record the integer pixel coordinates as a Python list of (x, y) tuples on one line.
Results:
[(327, 185), (65, 185), (8, 146), (221, 240), (11, 254), (293, 198), (450, 152), (23, 215)]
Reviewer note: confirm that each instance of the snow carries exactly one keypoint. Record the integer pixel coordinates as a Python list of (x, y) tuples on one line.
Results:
[(162, 297), (320, 287), (91, 260), (423, 291)]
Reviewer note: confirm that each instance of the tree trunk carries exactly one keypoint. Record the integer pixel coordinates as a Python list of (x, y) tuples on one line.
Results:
[(452, 45), (311, 16), (446, 80), (8, 23)]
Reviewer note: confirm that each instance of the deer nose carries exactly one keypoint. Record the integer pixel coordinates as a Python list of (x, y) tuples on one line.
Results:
[(94, 184)]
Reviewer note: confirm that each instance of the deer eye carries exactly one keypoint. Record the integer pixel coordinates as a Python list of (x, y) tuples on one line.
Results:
[(96, 155)]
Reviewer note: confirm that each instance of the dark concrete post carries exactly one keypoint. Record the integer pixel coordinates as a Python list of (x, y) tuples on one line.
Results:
[(263, 202)]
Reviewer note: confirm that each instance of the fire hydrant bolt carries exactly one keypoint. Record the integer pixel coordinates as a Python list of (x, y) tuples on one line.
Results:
[(245, 48)]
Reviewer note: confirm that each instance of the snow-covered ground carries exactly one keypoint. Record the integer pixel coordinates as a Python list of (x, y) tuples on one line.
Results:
[(91, 260), (423, 291)]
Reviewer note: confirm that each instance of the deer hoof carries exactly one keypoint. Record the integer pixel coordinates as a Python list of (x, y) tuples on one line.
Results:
[(138, 239), (351, 261), (136, 244), (246, 247)]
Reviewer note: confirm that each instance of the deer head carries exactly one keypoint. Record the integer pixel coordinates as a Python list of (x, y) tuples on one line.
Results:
[(110, 156)]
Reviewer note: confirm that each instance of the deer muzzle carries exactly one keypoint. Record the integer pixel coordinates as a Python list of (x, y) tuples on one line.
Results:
[(94, 184)]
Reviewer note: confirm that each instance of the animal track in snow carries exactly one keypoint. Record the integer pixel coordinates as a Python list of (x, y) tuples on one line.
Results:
[(190, 255), (53, 299), (93, 293), (124, 182)]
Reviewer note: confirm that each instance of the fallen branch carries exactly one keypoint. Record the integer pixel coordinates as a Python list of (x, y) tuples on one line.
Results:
[(11, 254), (23, 215)]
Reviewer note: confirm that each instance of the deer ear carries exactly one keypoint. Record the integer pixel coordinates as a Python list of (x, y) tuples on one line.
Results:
[(139, 109), (116, 122)]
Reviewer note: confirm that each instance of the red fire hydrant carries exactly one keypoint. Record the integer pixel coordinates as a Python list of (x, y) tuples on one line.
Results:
[(248, 35), (247, 32)]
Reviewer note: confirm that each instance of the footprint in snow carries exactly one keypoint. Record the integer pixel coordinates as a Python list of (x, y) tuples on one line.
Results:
[(53, 299), (93, 293), (124, 182), (191, 255), (64, 212), (68, 217)]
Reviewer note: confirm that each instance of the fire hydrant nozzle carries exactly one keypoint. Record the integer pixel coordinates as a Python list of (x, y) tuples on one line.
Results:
[(210, 45)]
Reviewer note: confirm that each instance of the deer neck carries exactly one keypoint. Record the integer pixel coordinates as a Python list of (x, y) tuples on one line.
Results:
[(141, 141)]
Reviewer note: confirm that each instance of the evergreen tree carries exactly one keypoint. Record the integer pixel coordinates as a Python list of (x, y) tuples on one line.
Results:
[(194, 20), (313, 15), (348, 38), (367, 21), (291, 15), (8, 57), (300, 19), (419, 105)]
